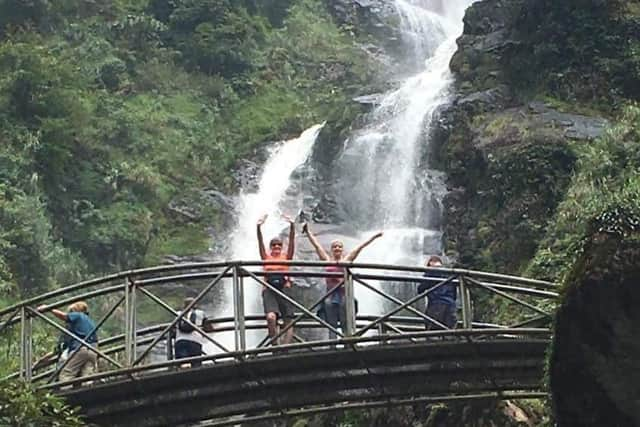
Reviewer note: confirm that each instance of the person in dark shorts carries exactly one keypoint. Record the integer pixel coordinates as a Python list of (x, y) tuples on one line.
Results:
[(275, 306), (188, 341), (441, 302)]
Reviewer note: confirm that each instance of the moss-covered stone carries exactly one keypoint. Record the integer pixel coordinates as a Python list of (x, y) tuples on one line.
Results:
[(594, 367)]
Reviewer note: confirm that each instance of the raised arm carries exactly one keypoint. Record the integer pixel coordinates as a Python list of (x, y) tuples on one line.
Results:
[(354, 253), (322, 254), (58, 313), (263, 252), (291, 247)]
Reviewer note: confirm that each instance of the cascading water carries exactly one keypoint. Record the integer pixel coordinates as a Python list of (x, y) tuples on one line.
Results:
[(284, 158), (382, 182)]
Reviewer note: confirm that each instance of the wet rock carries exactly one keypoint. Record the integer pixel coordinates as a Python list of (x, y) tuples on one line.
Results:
[(369, 100), (494, 99), (375, 18), (176, 259), (576, 126), (488, 39), (247, 174), (218, 199)]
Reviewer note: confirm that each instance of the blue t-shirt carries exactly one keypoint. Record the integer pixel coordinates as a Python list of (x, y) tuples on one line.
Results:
[(445, 294), (81, 325)]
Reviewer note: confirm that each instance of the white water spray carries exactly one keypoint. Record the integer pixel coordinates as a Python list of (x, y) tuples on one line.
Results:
[(383, 187), (275, 180)]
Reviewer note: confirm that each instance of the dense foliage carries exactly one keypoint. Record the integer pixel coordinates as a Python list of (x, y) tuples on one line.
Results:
[(579, 50), (604, 193), (110, 111), (22, 406)]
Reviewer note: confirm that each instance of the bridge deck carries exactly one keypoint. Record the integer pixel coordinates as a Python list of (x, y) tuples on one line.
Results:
[(382, 358), (295, 380)]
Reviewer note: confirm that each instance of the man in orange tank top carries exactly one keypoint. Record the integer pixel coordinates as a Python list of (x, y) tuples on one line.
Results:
[(275, 306)]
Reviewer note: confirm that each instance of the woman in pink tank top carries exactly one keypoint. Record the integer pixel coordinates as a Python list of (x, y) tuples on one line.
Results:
[(334, 305)]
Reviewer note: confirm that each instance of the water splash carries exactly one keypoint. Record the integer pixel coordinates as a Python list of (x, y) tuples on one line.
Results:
[(283, 159), (384, 184)]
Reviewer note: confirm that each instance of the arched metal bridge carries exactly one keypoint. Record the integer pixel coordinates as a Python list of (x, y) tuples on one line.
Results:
[(382, 357)]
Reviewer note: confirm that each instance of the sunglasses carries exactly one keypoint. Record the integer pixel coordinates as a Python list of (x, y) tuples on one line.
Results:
[(276, 245)]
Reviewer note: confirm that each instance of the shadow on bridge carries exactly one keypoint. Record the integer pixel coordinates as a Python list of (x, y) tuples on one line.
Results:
[(380, 359)]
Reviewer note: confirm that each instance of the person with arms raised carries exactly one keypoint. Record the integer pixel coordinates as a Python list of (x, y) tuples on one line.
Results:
[(334, 306), (275, 306)]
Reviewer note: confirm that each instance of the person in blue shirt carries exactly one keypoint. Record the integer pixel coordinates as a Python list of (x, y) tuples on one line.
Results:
[(82, 362), (441, 302)]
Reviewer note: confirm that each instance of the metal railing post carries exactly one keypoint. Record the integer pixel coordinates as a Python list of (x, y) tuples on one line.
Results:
[(349, 328), (465, 300), (127, 323), (134, 320), (238, 310), (26, 345)]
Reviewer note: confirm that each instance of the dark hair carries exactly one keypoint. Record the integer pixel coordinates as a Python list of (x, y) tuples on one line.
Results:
[(434, 258), (275, 240)]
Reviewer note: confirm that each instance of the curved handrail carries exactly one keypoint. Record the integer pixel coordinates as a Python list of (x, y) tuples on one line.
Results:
[(126, 285), (222, 264)]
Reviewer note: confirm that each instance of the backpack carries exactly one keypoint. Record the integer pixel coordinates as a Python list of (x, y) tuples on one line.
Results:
[(185, 327)]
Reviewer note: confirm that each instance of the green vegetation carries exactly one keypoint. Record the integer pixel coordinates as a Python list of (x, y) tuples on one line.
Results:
[(23, 406), (579, 51), (110, 111), (604, 193)]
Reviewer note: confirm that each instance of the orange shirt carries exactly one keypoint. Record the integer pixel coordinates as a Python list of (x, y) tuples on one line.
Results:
[(276, 267)]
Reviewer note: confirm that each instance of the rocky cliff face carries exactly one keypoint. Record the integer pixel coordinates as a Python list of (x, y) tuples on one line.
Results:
[(538, 83), (508, 153)]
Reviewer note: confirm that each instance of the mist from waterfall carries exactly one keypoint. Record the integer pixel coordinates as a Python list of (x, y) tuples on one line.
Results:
[(276, 179), (385, 183)]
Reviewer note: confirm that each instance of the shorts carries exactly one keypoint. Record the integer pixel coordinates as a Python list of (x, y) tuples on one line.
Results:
[(274, 303), (187, 348)]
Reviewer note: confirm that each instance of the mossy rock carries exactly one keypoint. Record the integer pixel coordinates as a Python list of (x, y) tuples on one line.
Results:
[(594, 368)]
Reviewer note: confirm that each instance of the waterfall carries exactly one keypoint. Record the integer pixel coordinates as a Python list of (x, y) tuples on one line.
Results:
[(383, 184), (276, 179)]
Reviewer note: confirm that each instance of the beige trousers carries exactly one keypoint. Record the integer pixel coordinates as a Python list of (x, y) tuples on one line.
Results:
[(83, 363)]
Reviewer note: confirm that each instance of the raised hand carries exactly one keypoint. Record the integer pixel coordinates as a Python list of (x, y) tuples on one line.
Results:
[(262, 219), (288, 219), (378, 234)]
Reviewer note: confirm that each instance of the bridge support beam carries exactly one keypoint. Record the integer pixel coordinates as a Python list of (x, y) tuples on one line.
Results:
[(465, 300), (129, 322), (26, 344), (350, 305), (238, 312)]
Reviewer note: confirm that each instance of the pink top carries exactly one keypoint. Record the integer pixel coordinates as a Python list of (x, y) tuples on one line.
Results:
[(332, 282)]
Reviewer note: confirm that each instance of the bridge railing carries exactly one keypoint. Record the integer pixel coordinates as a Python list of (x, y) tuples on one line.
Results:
[(127, 310)]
